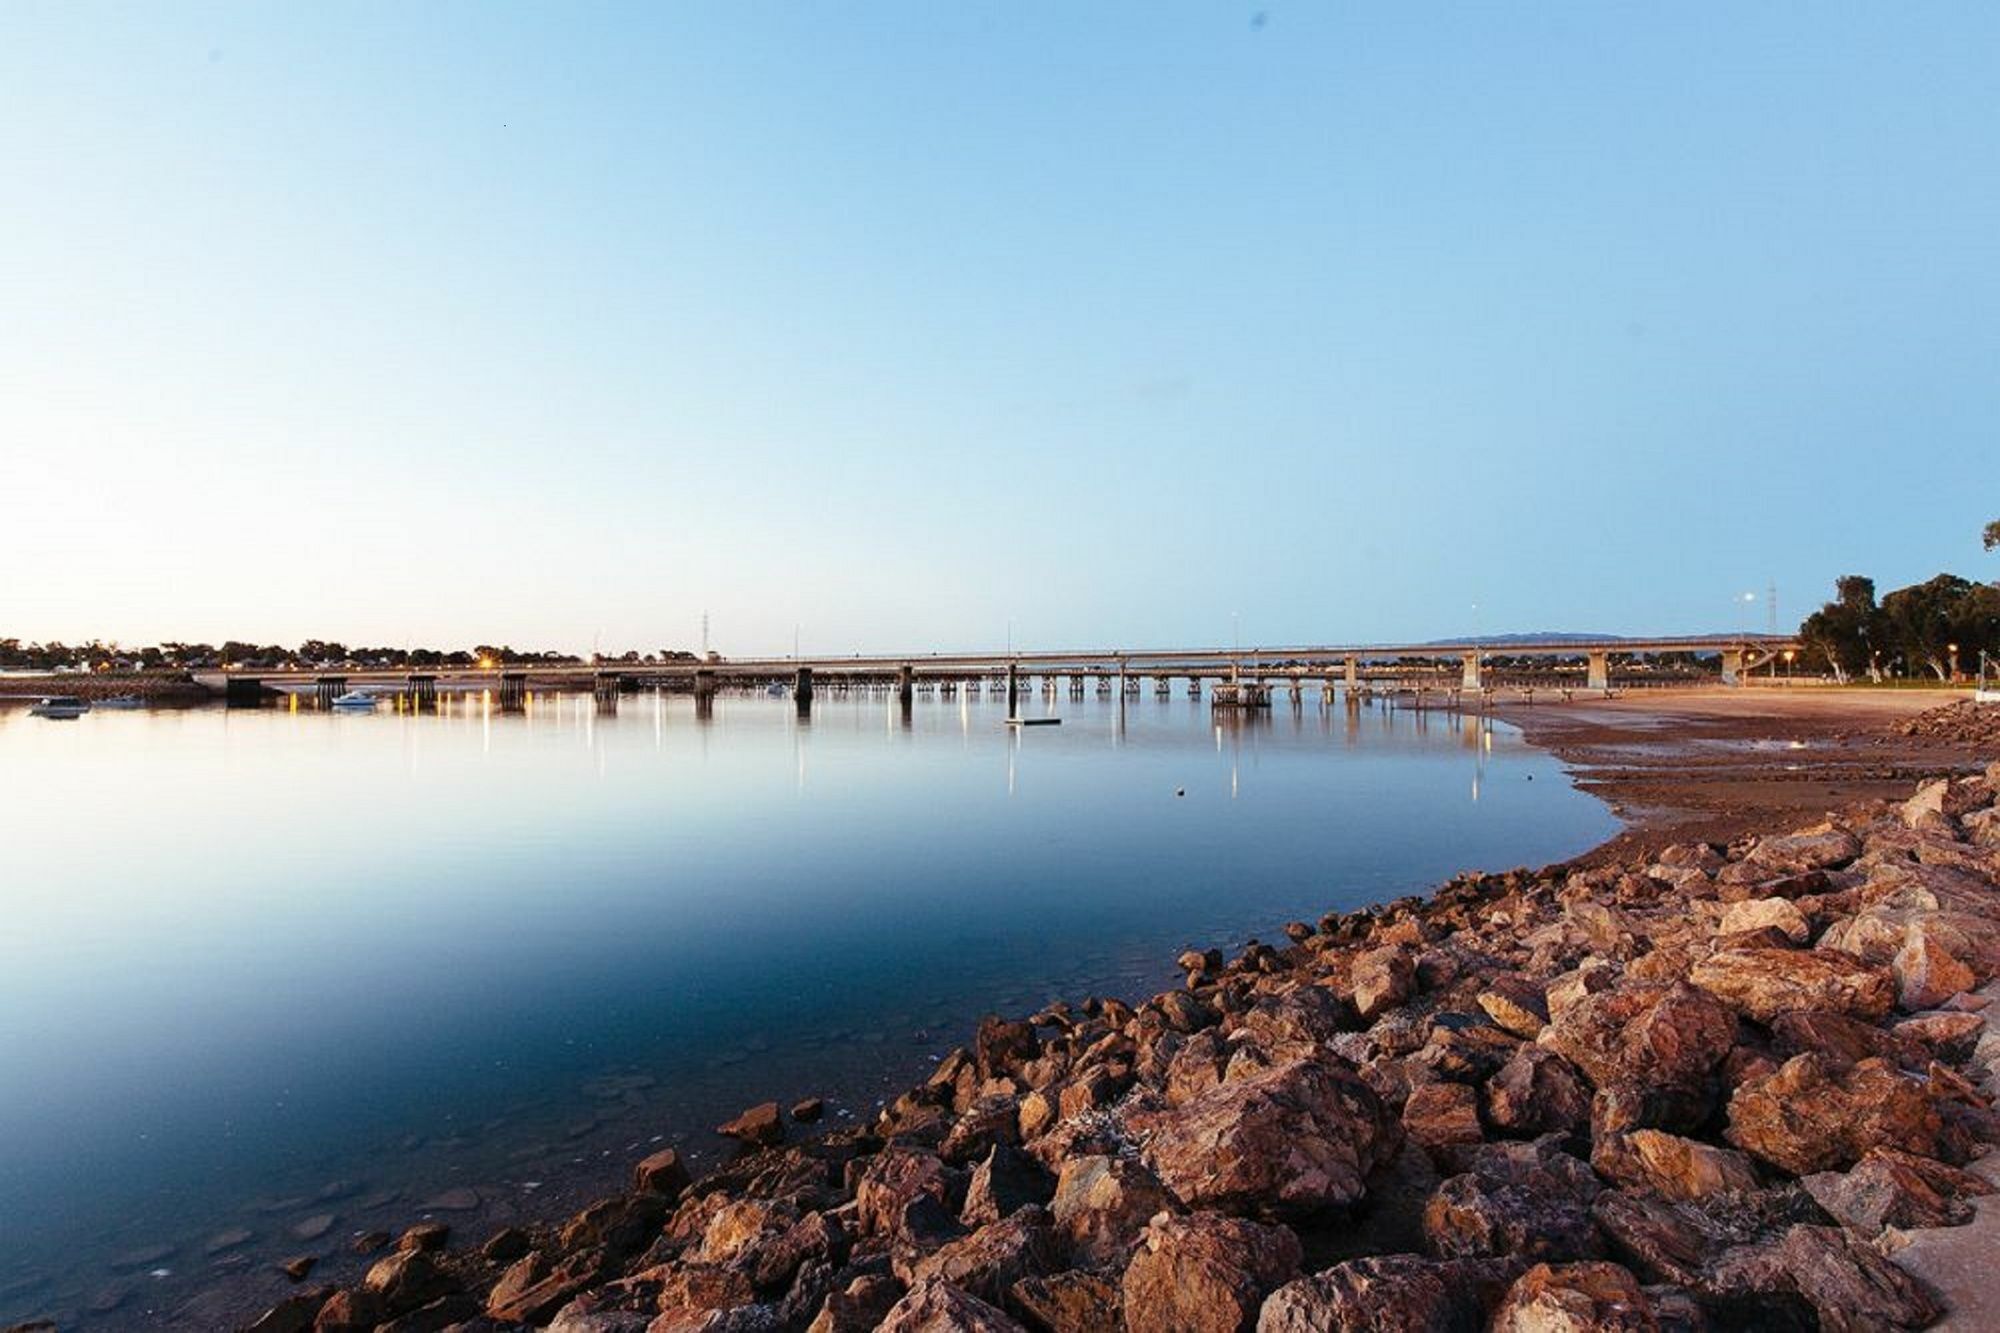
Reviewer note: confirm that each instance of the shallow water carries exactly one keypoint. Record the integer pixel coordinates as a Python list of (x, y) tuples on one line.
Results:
[(258, 967)]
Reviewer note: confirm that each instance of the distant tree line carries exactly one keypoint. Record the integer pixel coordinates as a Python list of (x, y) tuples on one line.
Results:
[(1937, 628), (97, 655)]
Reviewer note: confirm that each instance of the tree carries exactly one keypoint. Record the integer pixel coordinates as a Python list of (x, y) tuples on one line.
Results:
[(1846, 629), (1924, 621), (1993, 534)]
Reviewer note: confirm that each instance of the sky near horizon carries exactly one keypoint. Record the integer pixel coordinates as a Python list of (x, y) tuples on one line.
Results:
[(897, 325)]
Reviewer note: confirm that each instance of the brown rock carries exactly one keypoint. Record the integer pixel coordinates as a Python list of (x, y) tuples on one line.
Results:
[(992, 1259), (1537, 1092), (1812, 1117), (890, 1180), (1440, 1115), (426, 1236), (1525, 1200), (1001, 1046), (1101, 1204), (808, 1111), (1283, 1141), (1926, 972), (661, 1173), (1763, 983), (299, 1267), (1753, 914), (1006, 1180), (861, 1306), (989, 1120), (938, 1307), (1888, 1188), (1671, 1166), (1400, 1292), (1668, 1035), (1071, 1302), (1206, 1273), (1945, 1035), (294, 1314), (1839, 1040), (1799, 852), (1575, 1298), (407, 1280), (1848, 1285), (1517, 1004), (1383, 979), (759, 1127)]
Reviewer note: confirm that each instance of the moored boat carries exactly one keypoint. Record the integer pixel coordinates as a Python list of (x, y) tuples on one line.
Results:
[(60, 705)]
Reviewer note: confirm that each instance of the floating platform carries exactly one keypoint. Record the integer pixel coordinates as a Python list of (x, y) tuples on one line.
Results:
[(1034, 722)]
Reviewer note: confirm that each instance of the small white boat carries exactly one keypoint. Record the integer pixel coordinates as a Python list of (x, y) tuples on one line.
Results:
[(60, 705), (1034, 722), (124, 701), (354, 701)]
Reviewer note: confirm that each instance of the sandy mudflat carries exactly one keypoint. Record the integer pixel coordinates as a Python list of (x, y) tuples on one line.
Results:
[(1713, 764)]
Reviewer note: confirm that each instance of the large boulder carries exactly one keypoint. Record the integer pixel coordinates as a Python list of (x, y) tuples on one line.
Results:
[(1005, 1180), (1927, 973), (1530, 1201), (1537, 1092), (1282, 1142), (1671, 1166), (992, 1259), (935, 1306), (1442, 1116), (1811, 1116), (1763, 983), (1575, 1298), (891, 1179), (1069, 1302), (1206, 1273), (1402, 1292), (1890, 1188), (1101, 1204), (1753, 914), (1673, 1035), (1383, 979), (1846, 1283)]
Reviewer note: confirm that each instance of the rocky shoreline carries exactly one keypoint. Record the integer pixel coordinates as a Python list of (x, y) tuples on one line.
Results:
[(1710, 1087)]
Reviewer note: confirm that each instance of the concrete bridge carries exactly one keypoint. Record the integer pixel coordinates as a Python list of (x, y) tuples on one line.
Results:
[(1242, 675)]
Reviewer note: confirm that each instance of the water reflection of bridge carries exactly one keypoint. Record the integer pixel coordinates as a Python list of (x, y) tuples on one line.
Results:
[(1443, 673)]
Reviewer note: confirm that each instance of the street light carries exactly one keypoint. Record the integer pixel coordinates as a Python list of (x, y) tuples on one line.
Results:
[(1952, 649)]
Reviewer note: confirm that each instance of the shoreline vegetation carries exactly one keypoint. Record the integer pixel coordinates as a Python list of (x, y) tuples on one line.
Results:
[(1732, 1066)]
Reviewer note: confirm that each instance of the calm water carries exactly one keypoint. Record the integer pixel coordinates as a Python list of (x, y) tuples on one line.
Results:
[(257, 966)]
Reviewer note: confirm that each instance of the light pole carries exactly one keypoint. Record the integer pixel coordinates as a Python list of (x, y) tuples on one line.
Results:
[(1952, 650)]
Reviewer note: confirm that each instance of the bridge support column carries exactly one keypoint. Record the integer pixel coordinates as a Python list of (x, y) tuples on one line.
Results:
[(328, 688), (1194, 687), (1352, 671), (1732, 666), (906, 685), (1469, 678), (423, 690), (513, 689), (1013, 690), (1163, 686), (604, 689), (1599, 675), (802, 690), (243, 692)]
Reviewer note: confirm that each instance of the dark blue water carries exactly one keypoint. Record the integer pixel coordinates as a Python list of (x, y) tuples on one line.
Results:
[(258, 966)]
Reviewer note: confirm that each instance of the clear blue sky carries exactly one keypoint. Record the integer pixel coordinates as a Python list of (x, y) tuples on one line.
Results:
[(896, 322)]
